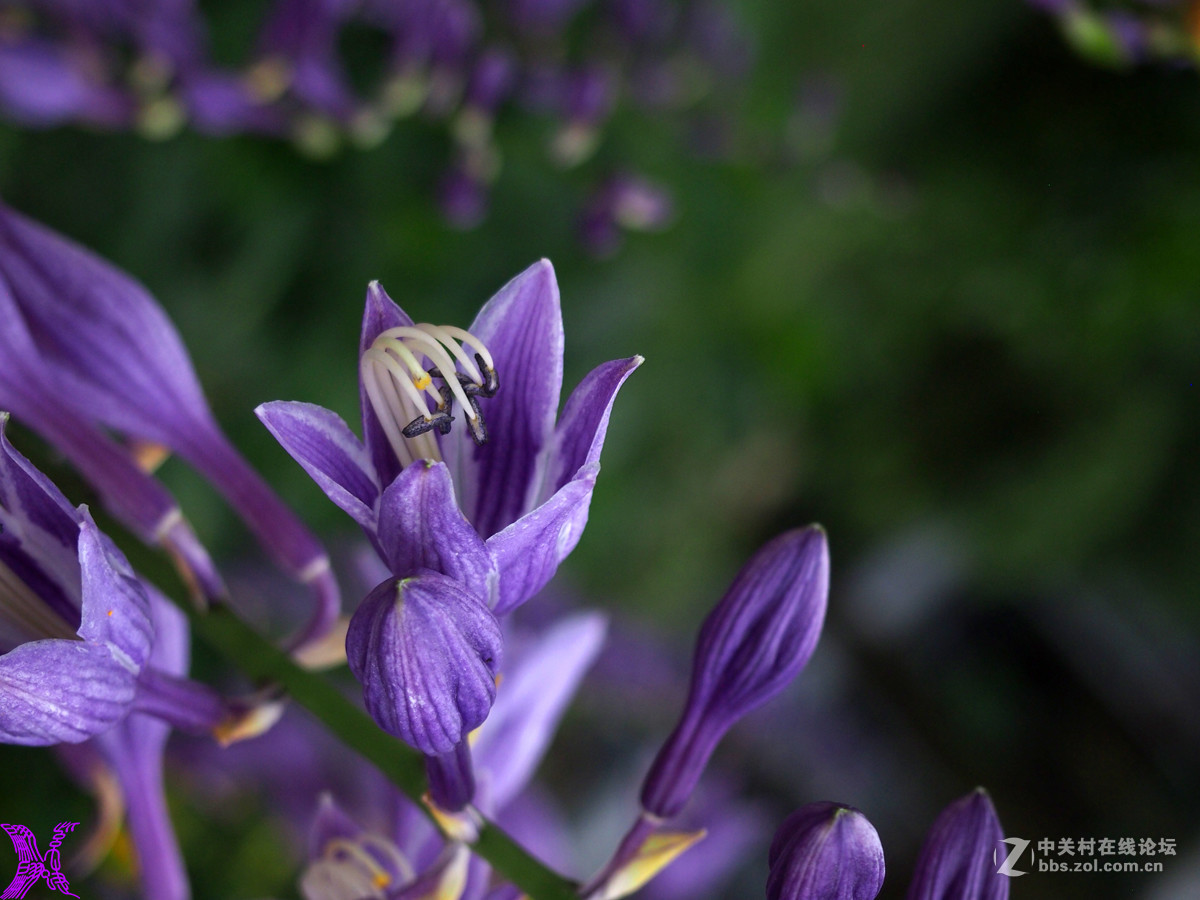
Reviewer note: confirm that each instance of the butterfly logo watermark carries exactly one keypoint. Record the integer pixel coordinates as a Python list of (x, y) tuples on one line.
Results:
[(32, 866)]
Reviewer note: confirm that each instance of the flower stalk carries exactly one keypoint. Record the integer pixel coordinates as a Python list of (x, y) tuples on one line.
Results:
[(404, 767)]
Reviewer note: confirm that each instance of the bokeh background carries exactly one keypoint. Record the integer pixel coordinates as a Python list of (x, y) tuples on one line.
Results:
[(939, 293)]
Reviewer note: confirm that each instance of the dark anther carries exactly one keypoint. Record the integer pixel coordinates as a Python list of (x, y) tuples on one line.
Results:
[(478, 427), (440, 420), (491, 383)]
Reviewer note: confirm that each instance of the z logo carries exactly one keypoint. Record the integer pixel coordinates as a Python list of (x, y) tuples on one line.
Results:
[(32, 867), (1006, 867)]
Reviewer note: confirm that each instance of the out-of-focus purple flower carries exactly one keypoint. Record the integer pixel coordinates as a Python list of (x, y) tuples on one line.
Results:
[(462, 198), (623, 202), (84, 345), (531, 701), (299, 43), (751, 646), (956, 861), (76, 626), (133, 751), (540, 18), (222, 103), (585, 98), (42, 85), (825, 851), (75, 629)]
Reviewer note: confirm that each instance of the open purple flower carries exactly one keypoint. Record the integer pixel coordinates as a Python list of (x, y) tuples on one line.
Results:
[(465, 484), (75, 629), (85, 349)]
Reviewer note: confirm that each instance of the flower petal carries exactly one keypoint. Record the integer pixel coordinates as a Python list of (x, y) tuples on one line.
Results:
[(956, 860), (527, 552), (522, 327), (754, 642), (579, 435), (329, 452), (421, 527), (529, 704), (57, 691), (426, 651), (825, 851), (110, 345), (116, 612), (379, 314)]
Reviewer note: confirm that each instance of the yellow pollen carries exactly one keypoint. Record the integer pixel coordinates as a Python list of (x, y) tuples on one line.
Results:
[(110, 612), (382, 880), (422, 381)]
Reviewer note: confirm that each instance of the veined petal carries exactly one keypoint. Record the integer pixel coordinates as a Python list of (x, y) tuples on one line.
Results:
[(329, 452), (116, 611), (535, 693), (426, 650), (825, 851), (754, 642), (379, 314), (421, 527), (579, 435), (58, 691), (528, 551), (39, 530), (956, 861), (110, 344), (522, 327)]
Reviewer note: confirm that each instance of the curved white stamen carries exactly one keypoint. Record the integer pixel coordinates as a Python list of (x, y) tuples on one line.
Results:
[(445, 334), (395, 374), (383, 404), (473, 342), (434, 351), (347, 870), (378, 842)]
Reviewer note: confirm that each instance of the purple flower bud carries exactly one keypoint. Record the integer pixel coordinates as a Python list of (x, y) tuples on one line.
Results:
[(825, 851), (751, 646), (957, 860), (426, 650)]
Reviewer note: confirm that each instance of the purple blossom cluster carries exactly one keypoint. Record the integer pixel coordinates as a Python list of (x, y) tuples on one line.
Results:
[(148, 66), (471, 487), (1129, 33)]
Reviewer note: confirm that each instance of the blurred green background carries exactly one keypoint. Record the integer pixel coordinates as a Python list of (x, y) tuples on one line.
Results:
[(960, 330)]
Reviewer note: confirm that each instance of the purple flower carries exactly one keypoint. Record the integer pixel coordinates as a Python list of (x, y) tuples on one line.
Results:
[(751, 646), (42, 85), (133, 751), (472, 515), (825, 851), (75, 629), (85, 347), (957, 859)]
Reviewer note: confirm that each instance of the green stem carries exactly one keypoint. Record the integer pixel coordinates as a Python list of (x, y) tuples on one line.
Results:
[(259, 659)]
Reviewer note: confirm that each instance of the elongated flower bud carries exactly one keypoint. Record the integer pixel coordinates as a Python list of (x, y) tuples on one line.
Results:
[(751, 646), (956, 862), (825, 851)]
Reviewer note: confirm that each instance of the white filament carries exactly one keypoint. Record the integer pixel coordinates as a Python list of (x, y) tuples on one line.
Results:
[(346, 871), (395, 376)]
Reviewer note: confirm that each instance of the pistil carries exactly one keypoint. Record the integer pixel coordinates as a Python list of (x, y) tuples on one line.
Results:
[(399, 371)]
